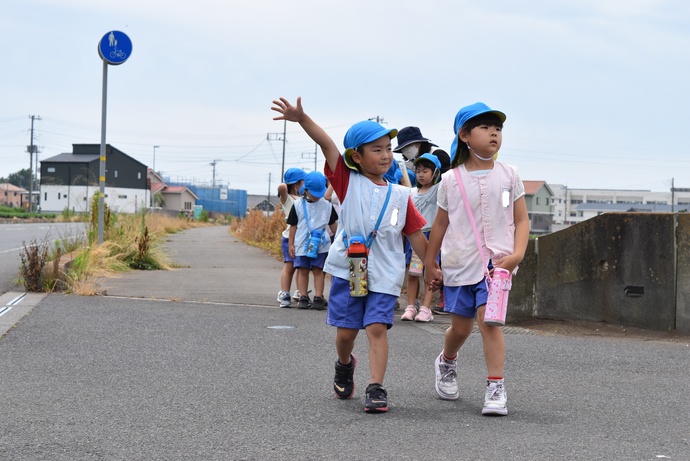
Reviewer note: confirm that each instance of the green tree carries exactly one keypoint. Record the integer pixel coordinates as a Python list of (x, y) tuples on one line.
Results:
[(19, 178)]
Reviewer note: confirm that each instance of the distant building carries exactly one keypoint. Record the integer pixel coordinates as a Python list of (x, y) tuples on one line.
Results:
[(13, 196), (69, 180), (538, 197), (263, 203)]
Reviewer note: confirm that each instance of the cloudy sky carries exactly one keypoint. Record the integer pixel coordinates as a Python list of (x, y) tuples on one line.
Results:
[(596, 92)]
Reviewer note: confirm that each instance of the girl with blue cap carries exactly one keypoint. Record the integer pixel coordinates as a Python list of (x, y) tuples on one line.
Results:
[(481, 216), (379, 213)]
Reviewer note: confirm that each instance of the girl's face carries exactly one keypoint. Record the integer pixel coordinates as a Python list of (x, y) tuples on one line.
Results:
[(374, 158), (484, 140), (425, 175)]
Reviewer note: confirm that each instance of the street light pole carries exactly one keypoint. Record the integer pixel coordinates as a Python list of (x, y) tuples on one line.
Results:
[(154, 158)]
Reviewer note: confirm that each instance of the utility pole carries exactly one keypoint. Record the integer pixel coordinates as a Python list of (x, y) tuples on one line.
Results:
[(31, 148), (277, 137), (268, 196), (213, 164), (673, 195)]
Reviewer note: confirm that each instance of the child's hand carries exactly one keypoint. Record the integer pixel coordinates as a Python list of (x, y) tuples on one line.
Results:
[(433, 275), (508, 263), (289, 112)]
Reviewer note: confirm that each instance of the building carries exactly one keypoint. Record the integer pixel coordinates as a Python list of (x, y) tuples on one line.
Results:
[(539, 200), (263, 203), (13, 196), (69, 180), (576, 205)]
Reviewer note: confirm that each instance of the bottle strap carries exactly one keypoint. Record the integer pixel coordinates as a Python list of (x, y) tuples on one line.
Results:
[(372, 236)]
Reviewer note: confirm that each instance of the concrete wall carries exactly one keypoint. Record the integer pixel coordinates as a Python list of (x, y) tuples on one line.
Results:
[(620, 268)]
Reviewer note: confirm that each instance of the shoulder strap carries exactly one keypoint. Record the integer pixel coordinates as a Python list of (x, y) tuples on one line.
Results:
[(372, 236), (471, 216)]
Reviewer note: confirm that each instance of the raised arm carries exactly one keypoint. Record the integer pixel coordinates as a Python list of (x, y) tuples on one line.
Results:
[(316, 133)]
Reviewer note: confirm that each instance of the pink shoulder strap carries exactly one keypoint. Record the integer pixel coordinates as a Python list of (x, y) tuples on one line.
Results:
[(472, 221)]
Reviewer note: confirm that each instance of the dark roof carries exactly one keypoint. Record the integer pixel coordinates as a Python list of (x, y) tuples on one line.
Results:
[(69, 157)]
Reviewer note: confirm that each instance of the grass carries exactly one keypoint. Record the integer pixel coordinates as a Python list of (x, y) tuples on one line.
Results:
[(261, 231)]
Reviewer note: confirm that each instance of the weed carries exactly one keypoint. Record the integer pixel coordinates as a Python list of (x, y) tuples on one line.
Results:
[(33, 260)]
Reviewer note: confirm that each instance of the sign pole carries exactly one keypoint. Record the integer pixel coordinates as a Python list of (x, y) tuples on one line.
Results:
[(114, 48), (101, 171)]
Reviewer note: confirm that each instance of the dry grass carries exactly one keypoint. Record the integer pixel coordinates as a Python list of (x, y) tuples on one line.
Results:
[(261, 231)]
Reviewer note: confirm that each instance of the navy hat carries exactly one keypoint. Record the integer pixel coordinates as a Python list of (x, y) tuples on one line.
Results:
[(315, 183), (362, 133), (467, 113), (409, 135), (293, 175)]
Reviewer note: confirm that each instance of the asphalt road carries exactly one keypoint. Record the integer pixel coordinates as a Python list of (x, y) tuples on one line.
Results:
[(175, 377)]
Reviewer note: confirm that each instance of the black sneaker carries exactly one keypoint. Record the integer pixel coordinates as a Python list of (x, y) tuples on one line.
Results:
[(376, 400), (304, 302), (344, 382), (319, 303)]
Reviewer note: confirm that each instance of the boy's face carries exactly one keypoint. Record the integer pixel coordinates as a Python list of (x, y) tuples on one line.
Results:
[(485, 140), (310, 197), (424, 174), (376, 157)]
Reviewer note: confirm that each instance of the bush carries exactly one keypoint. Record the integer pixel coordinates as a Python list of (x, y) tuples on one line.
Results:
[(262, 231)]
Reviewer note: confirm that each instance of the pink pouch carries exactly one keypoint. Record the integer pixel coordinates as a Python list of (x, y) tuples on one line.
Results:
[(497, 301)]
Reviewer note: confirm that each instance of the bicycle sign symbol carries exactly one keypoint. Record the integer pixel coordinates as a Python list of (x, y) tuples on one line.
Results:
[(115, 47)]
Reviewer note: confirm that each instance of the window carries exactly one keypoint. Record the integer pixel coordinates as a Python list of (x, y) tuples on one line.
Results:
[(536, 200), (115, 174), (51, 169), (122, 196), (187, 205), (139, 175), (59, 196), (45, 196)]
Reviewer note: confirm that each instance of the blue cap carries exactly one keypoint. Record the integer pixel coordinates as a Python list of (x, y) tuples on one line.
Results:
[(293, 175), (315, 183), (464, 115), (362, 133), (430, 157)]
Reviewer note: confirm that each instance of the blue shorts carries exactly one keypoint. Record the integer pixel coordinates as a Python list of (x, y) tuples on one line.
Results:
[(286, 252), (309, 263), (345, 311), (465, 300)]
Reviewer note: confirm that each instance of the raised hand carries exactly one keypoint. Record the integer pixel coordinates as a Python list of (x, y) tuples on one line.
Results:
[(289, 112)]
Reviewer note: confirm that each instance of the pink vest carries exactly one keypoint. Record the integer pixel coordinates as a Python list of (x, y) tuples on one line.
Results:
[(491, 198)]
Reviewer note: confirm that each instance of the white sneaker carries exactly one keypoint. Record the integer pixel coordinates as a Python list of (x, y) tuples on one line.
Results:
[(446, 378), (296, 295), (409, 314), (284, 298), (496, 399)]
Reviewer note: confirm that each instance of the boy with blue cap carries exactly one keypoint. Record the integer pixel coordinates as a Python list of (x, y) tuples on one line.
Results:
[(371, 210), (308, 219), (481, 224), (288, 192)]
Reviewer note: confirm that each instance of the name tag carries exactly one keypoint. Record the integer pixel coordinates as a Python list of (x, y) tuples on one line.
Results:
[(505, 198), (394, 217)]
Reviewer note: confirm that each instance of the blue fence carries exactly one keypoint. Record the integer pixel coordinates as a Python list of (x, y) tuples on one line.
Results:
[(210, 199)]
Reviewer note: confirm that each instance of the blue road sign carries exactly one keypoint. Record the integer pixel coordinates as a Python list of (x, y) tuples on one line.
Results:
[(115, 47)]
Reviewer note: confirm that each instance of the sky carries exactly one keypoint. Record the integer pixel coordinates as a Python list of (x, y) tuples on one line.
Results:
[(595, 92)]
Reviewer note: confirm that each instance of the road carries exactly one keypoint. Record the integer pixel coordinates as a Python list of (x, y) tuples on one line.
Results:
[(13, 237)]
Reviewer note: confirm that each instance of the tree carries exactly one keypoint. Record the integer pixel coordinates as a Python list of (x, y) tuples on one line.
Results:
[(19, 178)]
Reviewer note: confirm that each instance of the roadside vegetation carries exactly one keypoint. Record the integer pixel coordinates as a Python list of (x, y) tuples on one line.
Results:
[(130, 241), (261, 231), (20, 213)]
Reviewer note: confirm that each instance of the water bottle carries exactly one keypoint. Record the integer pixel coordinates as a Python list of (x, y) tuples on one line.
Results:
[(359, 275), (497, 300), (314, 243)]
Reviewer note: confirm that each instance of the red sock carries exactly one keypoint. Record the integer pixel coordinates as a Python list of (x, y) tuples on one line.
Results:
[(449, 359), (495, 378)]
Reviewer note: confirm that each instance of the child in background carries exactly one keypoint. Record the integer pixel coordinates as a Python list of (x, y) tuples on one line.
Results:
[(288, 192), (381, 213), (427, 174), (496, 196), (308, 220)]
